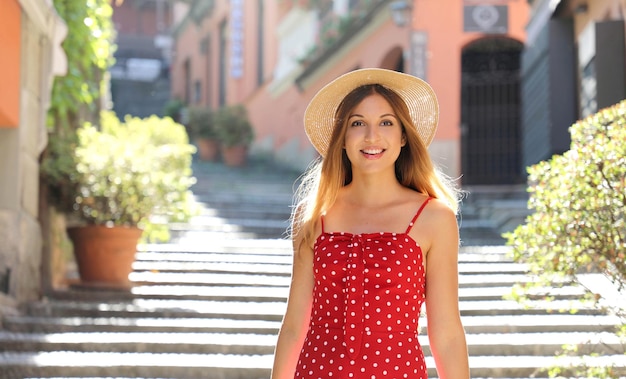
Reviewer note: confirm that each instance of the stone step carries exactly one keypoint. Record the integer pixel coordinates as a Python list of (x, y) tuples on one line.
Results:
[(283, 247), (509, 344), (242, 246), (470, 235), (226, 366), (138, 365), (181, 307), (141, 308), (158, 313), (258, 212), (149, 256), (270, 293), (494, 192), (237, 226), (284, 256), (478, 232), (252, 267), (232, 225), (266, 310), (200, 237), (280, 255), (224, 278), (546, 323), (242, 212), (239, 324), (271, 197), (141, 342)]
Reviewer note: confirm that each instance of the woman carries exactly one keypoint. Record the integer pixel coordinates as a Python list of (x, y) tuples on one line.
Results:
[(375, 236)]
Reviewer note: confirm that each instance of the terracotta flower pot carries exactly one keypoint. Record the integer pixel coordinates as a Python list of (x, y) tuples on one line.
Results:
[(235, 156), (105, 255), (208, 149)]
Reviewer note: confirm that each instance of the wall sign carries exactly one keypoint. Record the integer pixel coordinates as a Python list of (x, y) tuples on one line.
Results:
[(236, 38), (492, 19)]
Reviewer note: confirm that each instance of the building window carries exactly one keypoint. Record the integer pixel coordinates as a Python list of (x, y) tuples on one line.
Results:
[(197, 92), (206, 53), (187, 76), (222, 62), (588, 90), (260, 38)]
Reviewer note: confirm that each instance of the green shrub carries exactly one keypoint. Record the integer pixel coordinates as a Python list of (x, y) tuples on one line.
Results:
[(233, 126), (136, 172), (201, 123), (173, 109), (579, 203), (578, 224)]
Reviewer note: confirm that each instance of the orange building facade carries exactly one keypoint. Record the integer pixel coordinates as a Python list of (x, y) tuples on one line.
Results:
[(10, 33), (273, 56)]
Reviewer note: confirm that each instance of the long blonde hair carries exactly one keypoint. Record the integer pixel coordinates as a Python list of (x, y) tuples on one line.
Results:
[(325, 177)]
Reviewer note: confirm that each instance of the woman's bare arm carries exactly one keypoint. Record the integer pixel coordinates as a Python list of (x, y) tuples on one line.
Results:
[(445, 330), (296, 320)]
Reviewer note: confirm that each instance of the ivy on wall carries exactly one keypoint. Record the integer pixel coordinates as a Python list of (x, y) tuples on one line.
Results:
[(89, 49), (76, 97)]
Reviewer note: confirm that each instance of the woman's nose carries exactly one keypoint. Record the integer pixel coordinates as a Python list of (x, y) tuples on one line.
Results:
[(371, 133)]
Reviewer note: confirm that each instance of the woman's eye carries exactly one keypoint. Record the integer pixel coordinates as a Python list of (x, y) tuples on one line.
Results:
[(387, 123), (357, 123)]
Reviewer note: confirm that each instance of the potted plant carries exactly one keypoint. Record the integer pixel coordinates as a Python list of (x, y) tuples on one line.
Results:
[(174, 109), (235, 133), (202, 129), (131, 179)]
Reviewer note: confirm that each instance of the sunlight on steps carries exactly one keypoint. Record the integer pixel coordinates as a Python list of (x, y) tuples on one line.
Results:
[(209, 304)]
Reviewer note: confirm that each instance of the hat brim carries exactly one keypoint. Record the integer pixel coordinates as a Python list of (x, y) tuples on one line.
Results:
[(319, 116)]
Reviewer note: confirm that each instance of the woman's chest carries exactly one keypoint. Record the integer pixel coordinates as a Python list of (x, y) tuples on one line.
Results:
[(376, 261)]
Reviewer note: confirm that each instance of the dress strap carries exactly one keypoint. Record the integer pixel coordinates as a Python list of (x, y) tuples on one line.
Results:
[(322, 222), (419, 211)]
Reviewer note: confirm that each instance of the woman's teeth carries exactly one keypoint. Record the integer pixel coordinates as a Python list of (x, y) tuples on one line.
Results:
[(373, 151)]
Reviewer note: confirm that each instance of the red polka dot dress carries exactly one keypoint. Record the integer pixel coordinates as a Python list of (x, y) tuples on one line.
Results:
[(367, 296)]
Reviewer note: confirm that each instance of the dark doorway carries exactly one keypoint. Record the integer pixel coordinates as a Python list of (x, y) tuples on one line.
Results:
[(490, 112)]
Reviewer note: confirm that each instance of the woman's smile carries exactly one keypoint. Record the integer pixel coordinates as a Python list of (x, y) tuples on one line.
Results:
[(373, 153)]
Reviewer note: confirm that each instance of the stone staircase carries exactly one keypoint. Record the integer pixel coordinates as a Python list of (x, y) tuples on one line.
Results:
[(489, 211), (209, 304)]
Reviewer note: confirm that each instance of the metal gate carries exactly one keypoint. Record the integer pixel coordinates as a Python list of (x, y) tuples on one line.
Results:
[(490, 112)]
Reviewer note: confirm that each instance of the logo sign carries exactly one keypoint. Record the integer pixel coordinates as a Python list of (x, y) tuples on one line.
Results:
[(492, 19)]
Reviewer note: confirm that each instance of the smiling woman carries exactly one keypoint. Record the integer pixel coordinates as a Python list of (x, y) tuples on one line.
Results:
[(375, 238)]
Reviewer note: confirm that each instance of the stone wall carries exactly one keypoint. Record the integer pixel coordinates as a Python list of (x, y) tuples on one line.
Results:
[(20, 232)]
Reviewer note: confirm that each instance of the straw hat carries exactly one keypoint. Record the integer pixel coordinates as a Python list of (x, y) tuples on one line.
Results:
[(319, 116)]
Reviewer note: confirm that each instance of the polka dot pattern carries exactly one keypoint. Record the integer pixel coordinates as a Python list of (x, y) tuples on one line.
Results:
[(368, 292)]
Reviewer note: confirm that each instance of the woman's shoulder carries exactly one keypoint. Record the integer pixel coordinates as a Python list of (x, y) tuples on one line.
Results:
[(436, 215), (411, 196), (440, 206), (439, 212), (437, 222)]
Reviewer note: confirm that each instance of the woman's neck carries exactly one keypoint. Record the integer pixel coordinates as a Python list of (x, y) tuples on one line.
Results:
[(373, 190)]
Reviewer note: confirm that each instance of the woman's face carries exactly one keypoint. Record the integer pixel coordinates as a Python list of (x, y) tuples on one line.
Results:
[(374, 135)]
